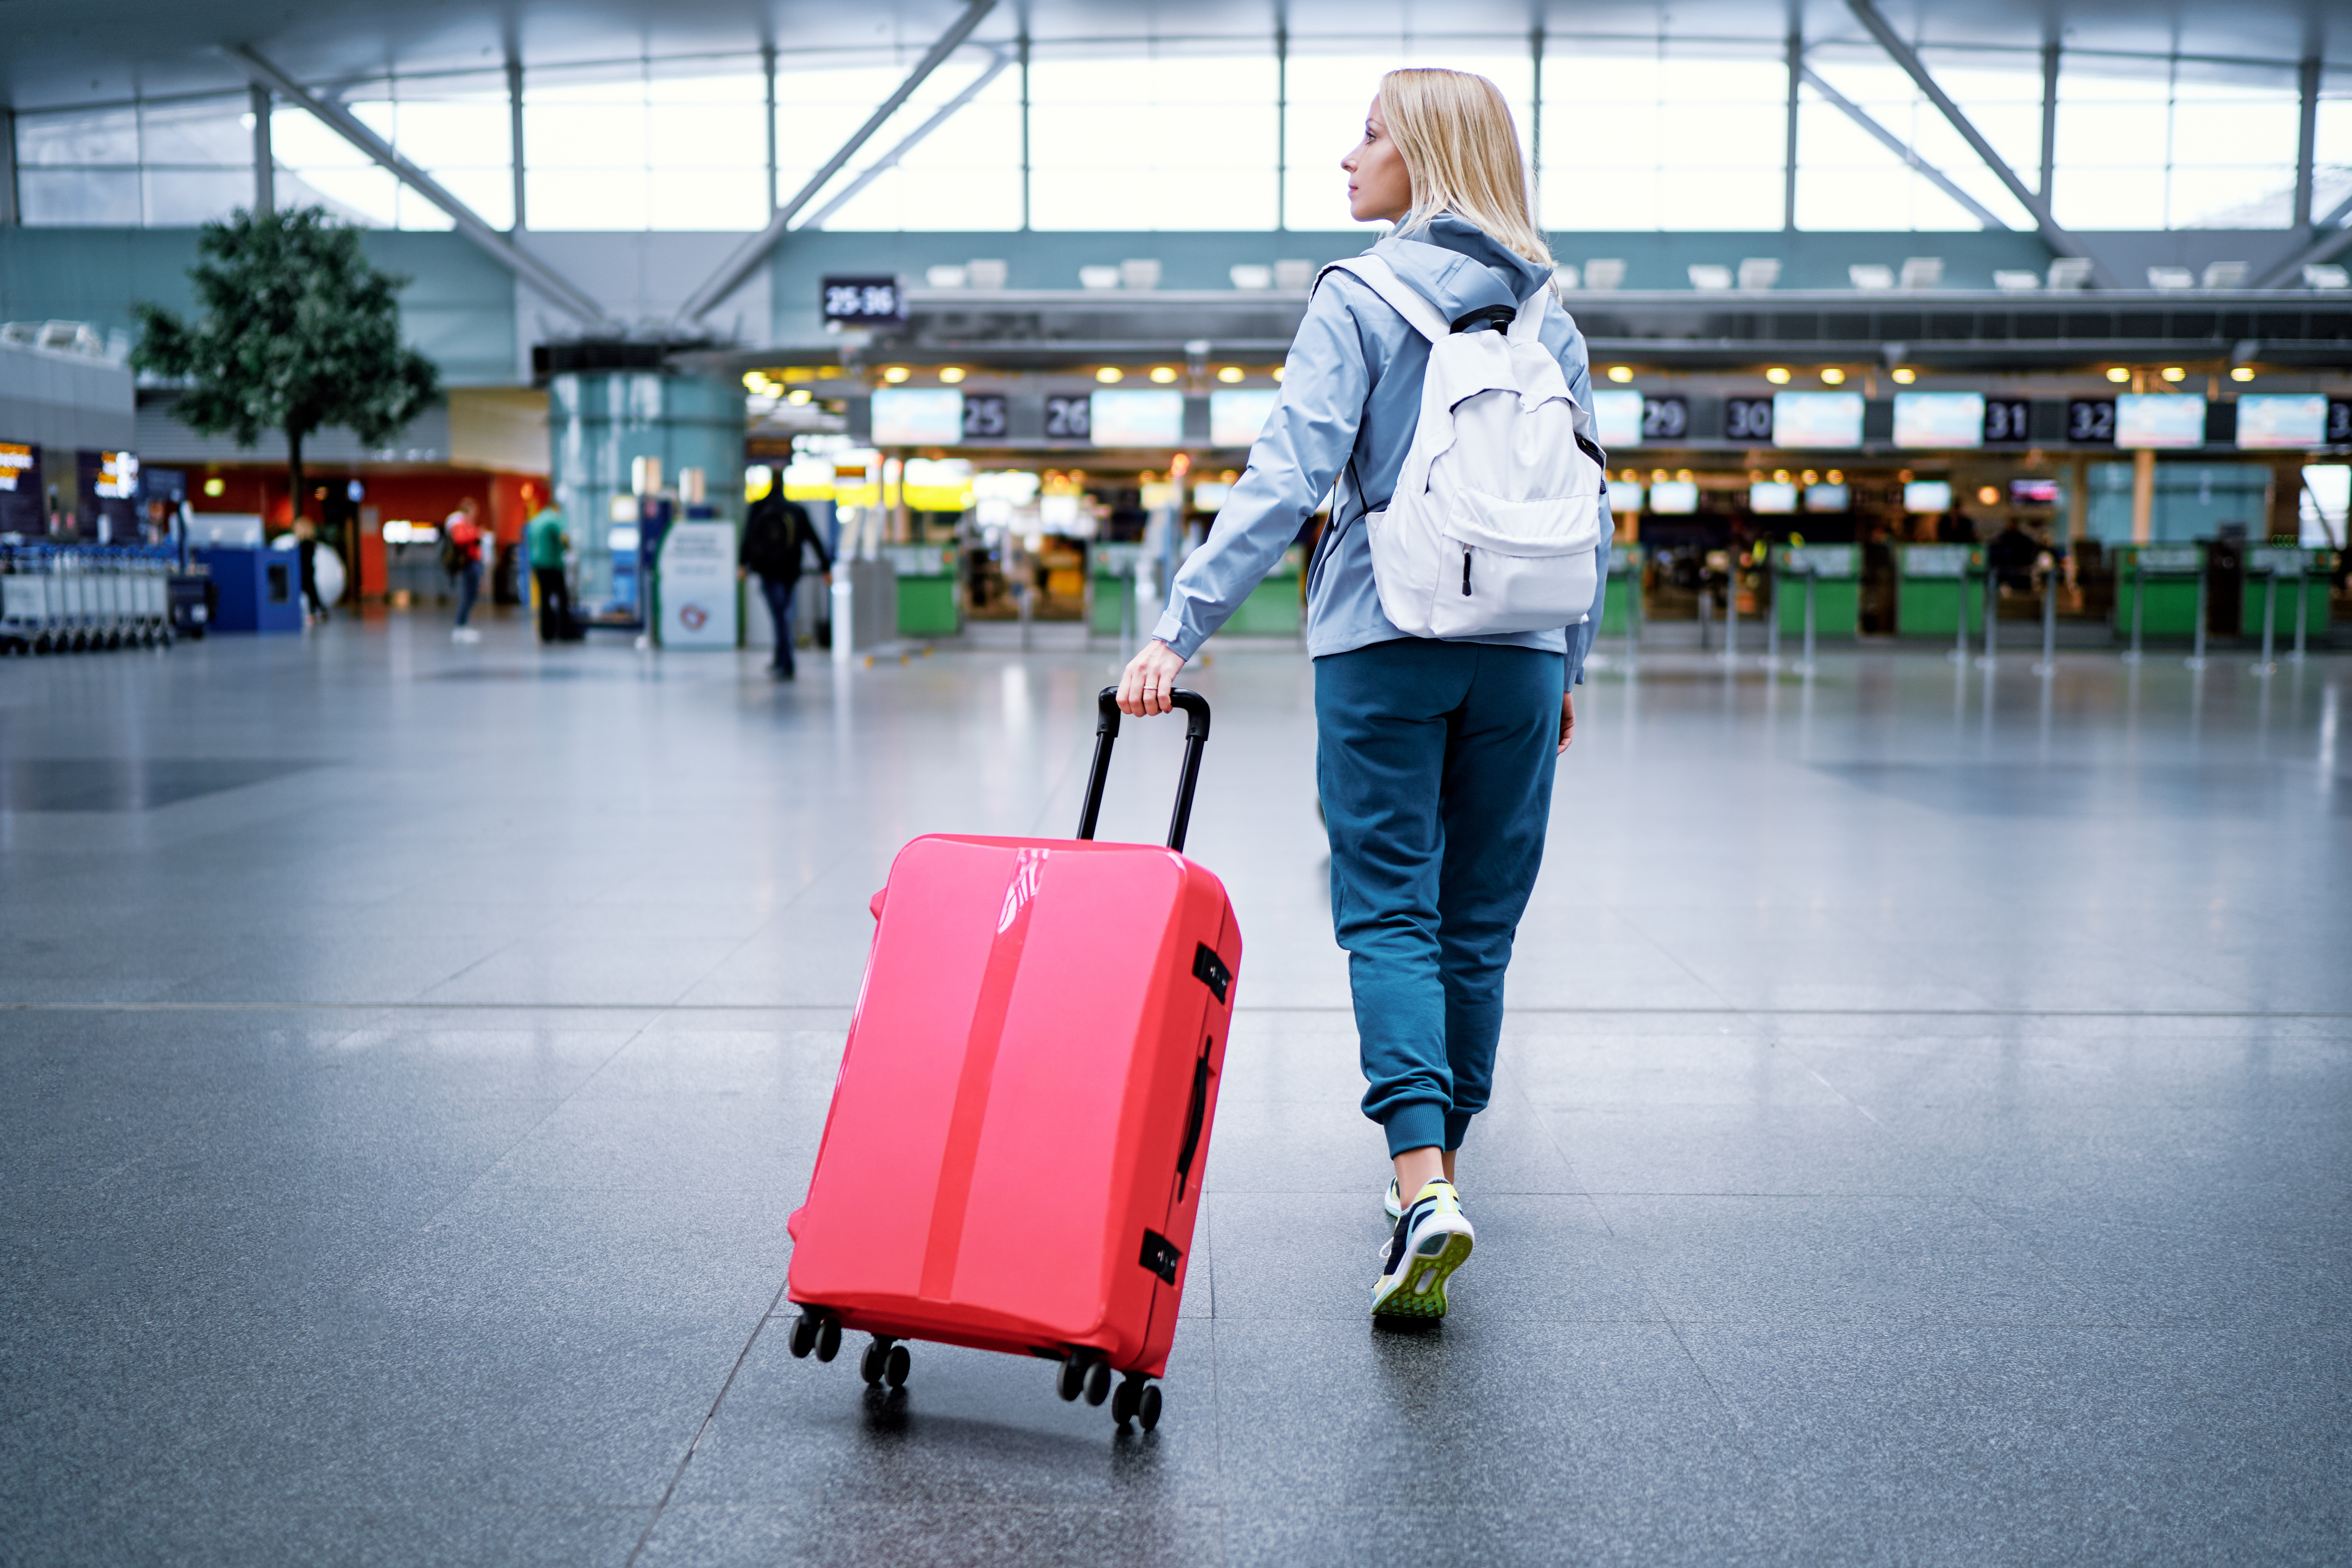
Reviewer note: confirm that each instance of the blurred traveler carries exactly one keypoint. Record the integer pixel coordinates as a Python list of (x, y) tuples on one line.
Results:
[(774, 533), (2012, 556), (546, 540), (1435, 756), (306, 549), (461, 555)]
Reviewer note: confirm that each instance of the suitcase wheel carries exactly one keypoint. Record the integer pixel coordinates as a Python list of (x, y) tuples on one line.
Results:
[(884, 1361), (1138, 1400), (808, 1329), (1072, 1379), (1099, 1382)]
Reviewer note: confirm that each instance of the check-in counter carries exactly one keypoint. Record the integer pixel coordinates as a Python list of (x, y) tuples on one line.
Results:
[(1110, 589), (2157, 589), (1621, 603), (931, 589), (2276, 575), (1834, 575), (1935, 584), (1273, 608)]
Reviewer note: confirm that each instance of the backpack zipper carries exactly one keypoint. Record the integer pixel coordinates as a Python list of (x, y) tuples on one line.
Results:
[(1465, 574)]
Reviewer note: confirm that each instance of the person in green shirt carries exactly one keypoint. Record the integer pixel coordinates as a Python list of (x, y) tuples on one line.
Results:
[(546, 540)]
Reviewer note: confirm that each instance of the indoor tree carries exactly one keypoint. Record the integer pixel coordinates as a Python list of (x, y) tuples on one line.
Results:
[(296, 333)]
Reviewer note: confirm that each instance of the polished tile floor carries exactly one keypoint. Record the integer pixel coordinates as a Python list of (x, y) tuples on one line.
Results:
[(1925, 1131)]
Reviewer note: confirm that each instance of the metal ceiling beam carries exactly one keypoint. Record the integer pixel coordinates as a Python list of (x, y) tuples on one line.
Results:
[(746, 259), (349, 126), (1902, 150), (1903, 54), (2330, 243), (889, 161)]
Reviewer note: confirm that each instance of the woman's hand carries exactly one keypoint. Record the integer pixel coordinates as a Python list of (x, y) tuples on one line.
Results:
[(1567, 721), (1149, 677)]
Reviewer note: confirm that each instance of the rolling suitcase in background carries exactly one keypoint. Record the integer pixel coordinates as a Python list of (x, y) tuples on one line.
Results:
[(1013, 1157)]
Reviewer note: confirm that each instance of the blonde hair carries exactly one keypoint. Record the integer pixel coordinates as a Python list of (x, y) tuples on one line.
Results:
[(1462, 153)]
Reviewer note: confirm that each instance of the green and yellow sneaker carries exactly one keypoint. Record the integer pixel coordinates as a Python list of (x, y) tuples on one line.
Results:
[(1432, 1240)]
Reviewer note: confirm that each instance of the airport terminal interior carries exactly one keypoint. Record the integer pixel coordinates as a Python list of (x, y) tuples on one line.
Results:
[(438, 888)]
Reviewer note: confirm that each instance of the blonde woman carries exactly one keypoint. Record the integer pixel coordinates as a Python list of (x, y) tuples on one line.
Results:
[(1435, 757)]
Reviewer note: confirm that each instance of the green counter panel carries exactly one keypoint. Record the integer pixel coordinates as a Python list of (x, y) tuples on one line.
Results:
[(1837, 606), (2250, 623), (1112, 601), (1930, 607), (1270, 610), (928, 607), (1617, 602), (2171, 607)]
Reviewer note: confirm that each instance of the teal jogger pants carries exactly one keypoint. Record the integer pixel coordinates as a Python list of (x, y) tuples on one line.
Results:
[(1436, 762)]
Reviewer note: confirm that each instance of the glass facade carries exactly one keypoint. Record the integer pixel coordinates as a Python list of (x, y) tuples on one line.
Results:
[(1658, 133)]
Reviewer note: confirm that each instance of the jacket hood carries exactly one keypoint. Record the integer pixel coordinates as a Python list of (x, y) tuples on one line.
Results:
[(1461, 267)]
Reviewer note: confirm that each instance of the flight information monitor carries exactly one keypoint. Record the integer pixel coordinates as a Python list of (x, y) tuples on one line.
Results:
[(1236, 417), (1771, 496), (1815, 419), (1672, 496), (1624, 495), (1618, 414), (2159, 419), (2294, 420), (918, 416), (1137, 418), (1828, 498), (1939, 419), (1927, 495)]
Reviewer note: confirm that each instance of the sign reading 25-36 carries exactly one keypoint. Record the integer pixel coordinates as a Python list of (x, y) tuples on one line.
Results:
[(865, 302)]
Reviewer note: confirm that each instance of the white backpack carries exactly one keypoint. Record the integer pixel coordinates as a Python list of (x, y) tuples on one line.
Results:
[(1497, 519)]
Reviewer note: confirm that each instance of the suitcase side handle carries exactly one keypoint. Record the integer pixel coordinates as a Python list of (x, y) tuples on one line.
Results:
[(1196, 735)]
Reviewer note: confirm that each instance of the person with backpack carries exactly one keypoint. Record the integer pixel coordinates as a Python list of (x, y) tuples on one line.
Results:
[(775, 530), (1451, 601), (461, 558)]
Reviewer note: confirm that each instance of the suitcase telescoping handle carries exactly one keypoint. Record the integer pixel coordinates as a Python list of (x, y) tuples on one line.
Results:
[(1196, 733)]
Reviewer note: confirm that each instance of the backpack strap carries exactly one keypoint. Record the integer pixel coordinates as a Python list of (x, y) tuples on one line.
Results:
[(1374, 273)]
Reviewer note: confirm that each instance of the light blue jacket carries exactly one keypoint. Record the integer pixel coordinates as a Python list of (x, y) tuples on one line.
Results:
[(1351, 388)]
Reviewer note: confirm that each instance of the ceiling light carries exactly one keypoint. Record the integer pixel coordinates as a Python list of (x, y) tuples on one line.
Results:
[(897, 374), (1110, 373), (1833, 377), (1987, 496), (1278, 370), (2244, 373), (1777, 376), (1837, 476), (1905, 376), (1621, 373), (215, 487), (2174, 372), (797, 395), (2119, 376), (1163, 374), (1230, 374), (951, 374), (755, 381)]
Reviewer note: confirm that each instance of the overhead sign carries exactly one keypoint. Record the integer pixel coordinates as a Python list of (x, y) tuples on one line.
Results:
[(1137, 418), (2159, 419), (2283, 420), (2007, 421), (697, 585), (1236, 418), (1816, 419), (1939, 419), (118, 476), (1618, 416), (1748, 419), (20, 466), (1069, 416), (918, 416), (1665, 419), (2091, 421), (983, 417), (863, 302)]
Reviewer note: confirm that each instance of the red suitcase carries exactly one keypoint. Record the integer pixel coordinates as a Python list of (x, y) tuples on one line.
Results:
[(1012, 1161)]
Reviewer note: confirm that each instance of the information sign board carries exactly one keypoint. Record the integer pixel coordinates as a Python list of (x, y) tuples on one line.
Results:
[(1665, 419), (2159, 419), (1674, 497), (1618, 413), (2340, 422), (1236, 418), (983, 417), (1069, 416), (1827, 498), (863, 300), (1950, 419), (2007, 421), (2293, 420), (2091, 421), (697, 585), (1816, 419), (1748, 419), (1771, 496), (918, 416), (1137, 418), (1927, 495)]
